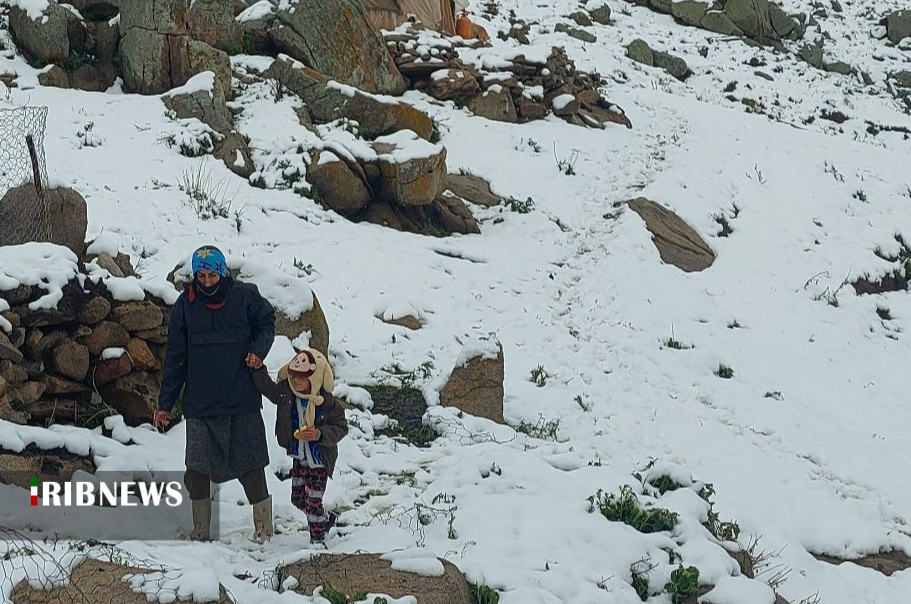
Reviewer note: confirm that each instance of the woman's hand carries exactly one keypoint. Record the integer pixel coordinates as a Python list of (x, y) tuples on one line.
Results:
[(161, 419), (253, 361)]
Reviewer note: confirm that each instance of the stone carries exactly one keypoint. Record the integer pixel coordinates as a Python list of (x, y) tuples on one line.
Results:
[(93, 78), (54, 77), (662, 6), (42, 36), (450, 214), (7, 413), (141, 356), (675, 66), (689, 12), (107, 41), (717, 21), (206, 103), (335, 38), (902, 78), (677, 243), (213, 22), (453, 84), (71, 360), (473, 189), (575, 32), (138, 316), (8, 352), (898, 25), (566, 107), (839, 67), (4, 386), (581, 19), (234, 151), (783, 24), (751, 16), (639, 51), (203, 57), (97, 10), (328, 103), (257, 37), (16, 296), (14, 319), (342, 187), (94, 311), (476, 387), (110, 370), (812, 54), (154, 47), (159, 335), (416, 180), (134, 396), (601, 15), (531, 110), (495, 104), (67, 217), (48, 466), (106, 334), (408, 322), (313, 321), (55, 385), (108, 264), (349, 573), (27, 393), (14, 374)]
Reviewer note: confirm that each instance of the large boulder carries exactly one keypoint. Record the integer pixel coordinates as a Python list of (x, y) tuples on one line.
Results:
[(203, 57), (674, 65), (312, 321), (450, 214), (898, 25), (67, 217), (717, 21), (752, 17), (412, 172), (213, 22), (41, 35), (495, 104), (639, 51), (201, 98), (329, 101), (334, 37), (453, 84), (475, 385), (677, 242), (350, 573), (341, 186), (689, 12)]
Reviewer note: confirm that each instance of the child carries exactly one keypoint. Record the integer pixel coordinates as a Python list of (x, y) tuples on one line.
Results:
[(309, 424)]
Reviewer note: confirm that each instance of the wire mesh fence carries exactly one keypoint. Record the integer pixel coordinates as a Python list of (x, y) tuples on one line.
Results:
[(24, 201)]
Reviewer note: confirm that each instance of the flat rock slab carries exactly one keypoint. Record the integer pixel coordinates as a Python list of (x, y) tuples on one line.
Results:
[(887, 563), (677, 242), (350, 573)]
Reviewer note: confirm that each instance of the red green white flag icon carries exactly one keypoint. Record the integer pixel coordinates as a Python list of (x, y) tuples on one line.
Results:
[(34, 491)]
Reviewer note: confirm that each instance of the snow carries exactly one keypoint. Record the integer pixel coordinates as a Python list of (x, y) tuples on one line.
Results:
[(415, 560), (478, 347), (45, 265), (112, 353), (104, 244), (739, 590), (239, 161), (261, 9), (201, 82), (801, 445), (562, 102), (407, 146), (35, 9), (4, 324)]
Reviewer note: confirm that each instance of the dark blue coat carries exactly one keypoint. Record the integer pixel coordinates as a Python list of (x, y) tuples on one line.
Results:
[(207, 352)]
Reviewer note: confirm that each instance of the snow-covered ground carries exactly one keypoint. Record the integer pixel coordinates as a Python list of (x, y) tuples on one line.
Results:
[(806, 445)]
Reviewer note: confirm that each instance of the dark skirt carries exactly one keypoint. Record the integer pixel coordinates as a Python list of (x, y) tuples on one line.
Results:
[(226, 447)]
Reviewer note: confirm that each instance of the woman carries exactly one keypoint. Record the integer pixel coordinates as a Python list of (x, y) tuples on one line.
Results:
[(220, 330)]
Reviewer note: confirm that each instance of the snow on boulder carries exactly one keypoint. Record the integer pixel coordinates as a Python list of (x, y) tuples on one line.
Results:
[(350, 573), (475, 385), (400, 312), (202, 99), (412, 172)]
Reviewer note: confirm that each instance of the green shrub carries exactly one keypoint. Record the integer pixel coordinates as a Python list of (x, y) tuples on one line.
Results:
[(683, 584), (625, 508), (481, 594)]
